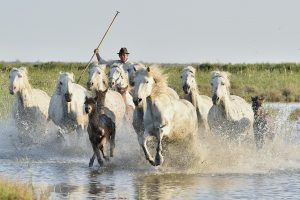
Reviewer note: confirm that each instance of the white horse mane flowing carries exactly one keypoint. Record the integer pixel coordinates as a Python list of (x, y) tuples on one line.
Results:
[(98, 81), (30, 107), (67, 104), (202, 103), (163, 115), (230, 115)]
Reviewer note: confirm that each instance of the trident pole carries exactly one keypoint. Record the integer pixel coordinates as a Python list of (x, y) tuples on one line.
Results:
[(98, 46)]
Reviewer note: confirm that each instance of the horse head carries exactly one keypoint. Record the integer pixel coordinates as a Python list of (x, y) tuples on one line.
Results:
[(188, 81), (66, 85), (89, 105), (97, 79), (17, 80), (117, 76), (131, 70), (219, 86), (143, 86)]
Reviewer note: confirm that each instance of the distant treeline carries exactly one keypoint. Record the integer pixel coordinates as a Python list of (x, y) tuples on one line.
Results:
[(281, 67)]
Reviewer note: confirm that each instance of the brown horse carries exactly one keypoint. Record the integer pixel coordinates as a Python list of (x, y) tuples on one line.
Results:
[(101, 128), (261, 122)]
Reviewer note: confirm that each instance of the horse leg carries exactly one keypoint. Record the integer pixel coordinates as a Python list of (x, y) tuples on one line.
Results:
[(112, 139), (102, 149), (159, 158), (92, 160), (97, 152), (80, 131), (143, 144)]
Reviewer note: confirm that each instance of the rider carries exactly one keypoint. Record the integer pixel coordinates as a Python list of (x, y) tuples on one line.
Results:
[(123, 55)]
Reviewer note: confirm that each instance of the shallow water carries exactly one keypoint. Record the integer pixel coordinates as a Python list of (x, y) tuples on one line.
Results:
[(211, 169)]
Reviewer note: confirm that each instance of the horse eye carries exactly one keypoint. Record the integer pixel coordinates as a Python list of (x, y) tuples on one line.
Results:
[(147, 81), (211, 84), (60, 83), (99, 72), (222, 83), (103, 82)]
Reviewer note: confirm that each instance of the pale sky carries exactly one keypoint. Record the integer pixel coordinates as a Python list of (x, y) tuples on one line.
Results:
[(167, 31)]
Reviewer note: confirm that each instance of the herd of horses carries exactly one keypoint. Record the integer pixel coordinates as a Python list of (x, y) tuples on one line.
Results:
[(141, 96)]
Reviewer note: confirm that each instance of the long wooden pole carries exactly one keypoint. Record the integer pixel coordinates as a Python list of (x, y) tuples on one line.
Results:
[(98, 46)]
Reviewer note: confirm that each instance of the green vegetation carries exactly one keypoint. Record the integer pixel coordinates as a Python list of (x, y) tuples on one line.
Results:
[(277, 82), (10, 190), (295, 115)]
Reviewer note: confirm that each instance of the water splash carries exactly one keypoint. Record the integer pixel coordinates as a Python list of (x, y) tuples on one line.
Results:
[(208, 155)]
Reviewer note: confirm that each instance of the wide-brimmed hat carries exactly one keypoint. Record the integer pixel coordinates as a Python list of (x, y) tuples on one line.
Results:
[(123, 50)]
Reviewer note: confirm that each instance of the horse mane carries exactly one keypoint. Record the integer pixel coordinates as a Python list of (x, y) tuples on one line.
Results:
[(160, 80), (189, 68), (223, 74), (95, 64), (102, 68), (24, 73)]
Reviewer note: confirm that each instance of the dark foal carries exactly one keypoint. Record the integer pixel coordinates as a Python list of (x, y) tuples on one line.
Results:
[(260, 125), (101, 128)]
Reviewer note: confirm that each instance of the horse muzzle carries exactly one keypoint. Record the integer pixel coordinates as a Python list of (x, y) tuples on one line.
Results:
[(215, 99), (186, 88), (137, 101), (112, 84), (89, 84), (68, 97)]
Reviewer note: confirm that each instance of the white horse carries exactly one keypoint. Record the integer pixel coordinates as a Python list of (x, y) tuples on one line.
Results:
[(98, 81), (202, 103), (230, 116), (66, 108), (30, 107), (138, 123), (132, 69), (118, 79), (162, 114)]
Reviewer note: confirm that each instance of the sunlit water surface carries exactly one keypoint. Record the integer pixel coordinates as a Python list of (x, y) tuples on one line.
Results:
[(210, 169)]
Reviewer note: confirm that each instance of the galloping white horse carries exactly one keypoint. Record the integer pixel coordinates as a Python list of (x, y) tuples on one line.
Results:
[(30, 107), (67, 104), (98, 81), (230, 116), (138, 123), (162, 114), (118, 79), (202, 103)]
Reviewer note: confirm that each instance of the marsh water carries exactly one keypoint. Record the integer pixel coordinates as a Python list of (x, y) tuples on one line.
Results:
[(210, 168)]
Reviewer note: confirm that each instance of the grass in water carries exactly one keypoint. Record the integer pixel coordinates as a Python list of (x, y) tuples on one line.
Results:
[(294, 116), (17, 190)]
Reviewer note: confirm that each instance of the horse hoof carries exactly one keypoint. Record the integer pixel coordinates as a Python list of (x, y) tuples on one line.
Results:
[(106, 158), (152, 162), (158, 160), (90, 164), (100, 163)]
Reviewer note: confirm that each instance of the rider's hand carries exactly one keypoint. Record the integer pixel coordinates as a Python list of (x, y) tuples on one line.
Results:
[(96, 51)]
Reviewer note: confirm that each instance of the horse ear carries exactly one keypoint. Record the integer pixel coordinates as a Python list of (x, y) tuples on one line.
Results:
[(148, 69), (24, 70)]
